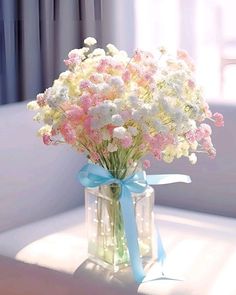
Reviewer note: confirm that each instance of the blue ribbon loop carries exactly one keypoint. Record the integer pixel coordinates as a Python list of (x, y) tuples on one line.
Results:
[(92, 175)]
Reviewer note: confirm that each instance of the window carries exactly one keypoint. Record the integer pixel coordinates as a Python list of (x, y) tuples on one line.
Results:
[(206, 29)]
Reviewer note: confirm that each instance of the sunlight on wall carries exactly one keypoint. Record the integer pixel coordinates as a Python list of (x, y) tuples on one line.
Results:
[(156, 22), (203, 28)]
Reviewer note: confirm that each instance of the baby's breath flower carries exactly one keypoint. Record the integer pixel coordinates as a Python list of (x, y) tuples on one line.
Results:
[(112, 147), (193, 158), (109, 102), (46, 129), (112, 49), (32, 105), (117, 120), (97, 52), (119, 132), (90, 41)]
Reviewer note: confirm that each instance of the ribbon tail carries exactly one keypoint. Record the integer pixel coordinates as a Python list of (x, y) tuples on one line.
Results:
[(161, 254), (167, 178), (131, 234)]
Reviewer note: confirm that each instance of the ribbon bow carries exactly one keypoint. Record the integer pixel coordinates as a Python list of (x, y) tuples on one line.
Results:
[(92, 175)]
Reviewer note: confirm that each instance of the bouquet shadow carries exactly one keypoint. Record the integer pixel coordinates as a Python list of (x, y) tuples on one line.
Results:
[(94, 277)]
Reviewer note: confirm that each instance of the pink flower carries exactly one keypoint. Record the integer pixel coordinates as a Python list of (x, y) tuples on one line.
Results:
[(212, 153), (219, 119), (137, 56), (182, 54), (85, 102), (96, 137), (207, 143), (68, 133), (126, 76), (157, 154), (125, 115), (102, 65), (41, 100), (146, 164), (87, 124), (75, 115), (47, 139), (126, 142), (206, 129), (94, 157), (199, 134), (190, 136), (208, 147), (191, 84), (73, 59), (160, 141), (142, 146), (110, 128), (85, 84)]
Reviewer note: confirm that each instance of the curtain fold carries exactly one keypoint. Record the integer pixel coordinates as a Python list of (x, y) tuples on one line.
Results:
[(36, 36)]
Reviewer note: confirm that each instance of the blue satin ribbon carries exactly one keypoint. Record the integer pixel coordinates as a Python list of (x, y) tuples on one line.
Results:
[(92, 175)]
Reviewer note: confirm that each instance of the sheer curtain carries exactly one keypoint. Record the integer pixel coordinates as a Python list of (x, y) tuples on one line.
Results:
[(36, 36)]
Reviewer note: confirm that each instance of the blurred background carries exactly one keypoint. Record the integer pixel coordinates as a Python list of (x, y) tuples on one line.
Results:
[(36, 36)]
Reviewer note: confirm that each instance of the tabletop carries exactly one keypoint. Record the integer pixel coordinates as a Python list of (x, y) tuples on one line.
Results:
[(201, 258)]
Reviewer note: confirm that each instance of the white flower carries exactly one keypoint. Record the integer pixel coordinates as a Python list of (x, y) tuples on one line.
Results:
[(90, 41), (108, 107), (144, 127), (63, 93), (112, 147), (119, 103), (64, 75), (136, 115), (153, 110), (117, 83), (112, 49), (77, 55), (117, 120), (157, 125), (56, 95), (98, 52), (133, 130), (145, 110), (122, 55), (102, 88), (193, 158), (133, 100), (119, 132)]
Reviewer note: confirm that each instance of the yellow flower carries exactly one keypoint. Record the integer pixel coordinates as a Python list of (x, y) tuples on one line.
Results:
[(46, 129), (33, 106), (37, 117), (169, 153), (182, 149)]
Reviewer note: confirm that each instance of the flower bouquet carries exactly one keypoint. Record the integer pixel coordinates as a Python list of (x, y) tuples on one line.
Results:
[(116, 110)]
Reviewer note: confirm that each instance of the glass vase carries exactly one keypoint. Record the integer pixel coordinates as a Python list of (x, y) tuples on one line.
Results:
[(107, 244)]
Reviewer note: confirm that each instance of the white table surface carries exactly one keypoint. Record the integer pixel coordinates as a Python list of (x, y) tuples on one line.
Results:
[(201, 250)]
